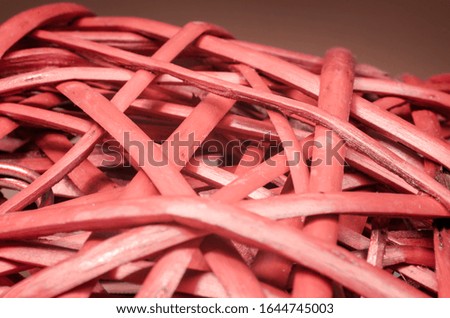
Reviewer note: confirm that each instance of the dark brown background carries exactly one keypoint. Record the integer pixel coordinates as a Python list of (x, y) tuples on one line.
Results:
[(397, 36)]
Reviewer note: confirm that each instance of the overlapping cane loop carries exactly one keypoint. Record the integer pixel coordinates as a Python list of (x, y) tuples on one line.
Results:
[(151, 160)]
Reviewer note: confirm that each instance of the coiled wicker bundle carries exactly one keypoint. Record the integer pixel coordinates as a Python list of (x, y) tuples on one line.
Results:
[(156, 161)]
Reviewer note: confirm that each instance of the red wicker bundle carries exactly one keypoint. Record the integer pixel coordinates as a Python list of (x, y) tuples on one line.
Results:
[(151, 160)]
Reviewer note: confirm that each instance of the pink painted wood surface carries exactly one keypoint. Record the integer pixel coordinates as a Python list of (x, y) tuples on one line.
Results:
[(90, 106)]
